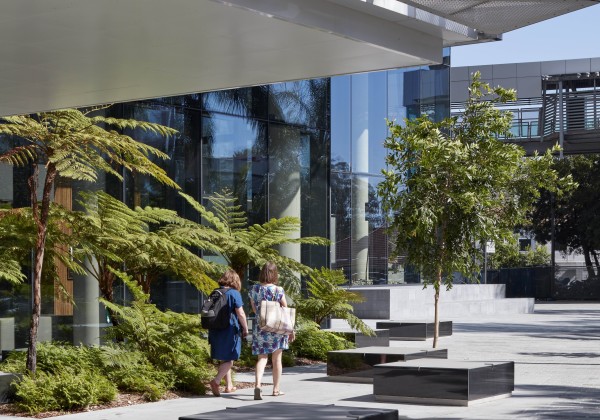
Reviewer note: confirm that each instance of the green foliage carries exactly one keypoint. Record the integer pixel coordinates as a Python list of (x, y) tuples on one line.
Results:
[(246, 246), (508, 255), (326, 298), (131, 371), (72, 145), (18, 237), (148, 242), (314, 343), (63, 391), (78, 146), (36, 395), (171, 341), (452, 183), (247, 359), (576, 222)]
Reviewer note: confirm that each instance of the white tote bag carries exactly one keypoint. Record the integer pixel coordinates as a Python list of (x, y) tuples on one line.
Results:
[(276, 318)]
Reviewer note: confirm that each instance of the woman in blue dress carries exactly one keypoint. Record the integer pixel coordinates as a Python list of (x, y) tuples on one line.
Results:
[(226, 344), (265, 343)]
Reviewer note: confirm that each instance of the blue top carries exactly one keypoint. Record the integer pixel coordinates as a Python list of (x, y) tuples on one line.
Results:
[(226, 344)]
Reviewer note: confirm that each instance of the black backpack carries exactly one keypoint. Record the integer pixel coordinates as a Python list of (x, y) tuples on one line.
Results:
[(215, 313)]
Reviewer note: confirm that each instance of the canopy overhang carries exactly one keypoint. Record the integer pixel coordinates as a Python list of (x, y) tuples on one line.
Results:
[(65, 53)]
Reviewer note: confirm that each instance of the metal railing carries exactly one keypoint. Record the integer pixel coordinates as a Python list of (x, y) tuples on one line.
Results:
[(574, 111)]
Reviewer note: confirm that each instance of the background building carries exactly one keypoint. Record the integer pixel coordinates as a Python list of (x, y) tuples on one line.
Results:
[(558, 103)]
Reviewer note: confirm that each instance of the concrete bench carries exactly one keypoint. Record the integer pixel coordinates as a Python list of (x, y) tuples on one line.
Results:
[(414, 330), (6, 388), (356, 365), (271, 410), (445, 382), (381, 337)]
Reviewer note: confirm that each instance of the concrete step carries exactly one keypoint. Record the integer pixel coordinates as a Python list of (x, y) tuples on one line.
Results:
[(414, 302), (451, 311)]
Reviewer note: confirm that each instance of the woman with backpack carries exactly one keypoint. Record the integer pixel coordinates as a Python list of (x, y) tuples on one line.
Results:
[(226, 343), (265, 343)]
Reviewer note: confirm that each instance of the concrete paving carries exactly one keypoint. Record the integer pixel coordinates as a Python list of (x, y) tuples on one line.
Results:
[(557, 373)]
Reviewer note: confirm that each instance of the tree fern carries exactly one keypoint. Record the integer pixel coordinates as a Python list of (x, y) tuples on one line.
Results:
[(246, 246), (327, 298), (170, 341), (74, 145), (145, 243)]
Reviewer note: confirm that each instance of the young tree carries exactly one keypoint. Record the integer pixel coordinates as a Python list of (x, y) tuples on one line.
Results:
[(75, 145), (452, 183)]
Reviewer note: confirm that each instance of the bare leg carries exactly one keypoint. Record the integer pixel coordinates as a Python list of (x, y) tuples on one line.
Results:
[(277, 369), (224, 371), (261, 363), (224, 368), (228, 381)]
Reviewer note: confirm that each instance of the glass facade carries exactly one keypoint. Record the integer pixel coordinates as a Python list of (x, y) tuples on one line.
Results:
[(312, 149), (360, 104)]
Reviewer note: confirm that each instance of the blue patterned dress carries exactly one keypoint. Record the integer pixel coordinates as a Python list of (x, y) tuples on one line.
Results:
[(266, 342)]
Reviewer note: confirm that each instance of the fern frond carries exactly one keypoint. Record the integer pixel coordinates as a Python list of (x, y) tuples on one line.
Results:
[(20, 155)]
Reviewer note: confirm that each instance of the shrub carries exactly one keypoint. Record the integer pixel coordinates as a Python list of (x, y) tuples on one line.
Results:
[(64, 390), (314, 343), (36, 395), (170, 341), (130, 370), (328, 298)]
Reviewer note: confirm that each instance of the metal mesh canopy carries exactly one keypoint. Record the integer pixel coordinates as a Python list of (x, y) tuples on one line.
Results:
[(496, 17)]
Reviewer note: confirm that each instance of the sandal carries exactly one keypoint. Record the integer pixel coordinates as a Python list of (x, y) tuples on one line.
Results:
[(214, 387), (278, 393), (257, 394), (229, 391)]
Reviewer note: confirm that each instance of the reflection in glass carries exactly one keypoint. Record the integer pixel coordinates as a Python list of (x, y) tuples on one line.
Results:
[(298, 185), (359, 106), (234, 158), (301, 102), (248, 102)]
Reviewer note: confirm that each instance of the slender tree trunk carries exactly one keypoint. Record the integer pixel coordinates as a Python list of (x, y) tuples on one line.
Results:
[(107, 280), (588, 262), (595, 255), (436, 317), (40, 216)]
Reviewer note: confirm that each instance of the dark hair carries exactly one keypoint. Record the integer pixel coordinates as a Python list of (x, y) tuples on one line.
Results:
[(269, 274), (230, 279)]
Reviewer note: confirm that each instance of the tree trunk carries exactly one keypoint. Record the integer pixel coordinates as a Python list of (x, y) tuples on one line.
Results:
[(40, 215), (436, 317), (106, 283), (595, 255), (588, 262)]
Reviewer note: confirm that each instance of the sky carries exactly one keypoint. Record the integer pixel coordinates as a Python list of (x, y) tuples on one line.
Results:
[(571, 36)]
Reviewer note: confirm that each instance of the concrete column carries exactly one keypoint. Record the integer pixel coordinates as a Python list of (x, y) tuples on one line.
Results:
[(360, 181), (285, 152), (86, 313)]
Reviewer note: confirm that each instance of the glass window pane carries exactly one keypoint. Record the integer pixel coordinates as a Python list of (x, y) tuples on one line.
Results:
[(340, 123), (234, 157), (369, 130), (302, 102), (244, 102)]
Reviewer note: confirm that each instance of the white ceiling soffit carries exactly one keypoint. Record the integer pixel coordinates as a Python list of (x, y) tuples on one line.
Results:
[(499, 16), (65, 53)]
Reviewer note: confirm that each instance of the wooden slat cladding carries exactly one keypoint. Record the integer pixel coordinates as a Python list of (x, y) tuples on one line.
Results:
[(63, 195)]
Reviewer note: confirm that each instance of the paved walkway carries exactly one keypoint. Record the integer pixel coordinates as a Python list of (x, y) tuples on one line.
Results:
[(557, 373)]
